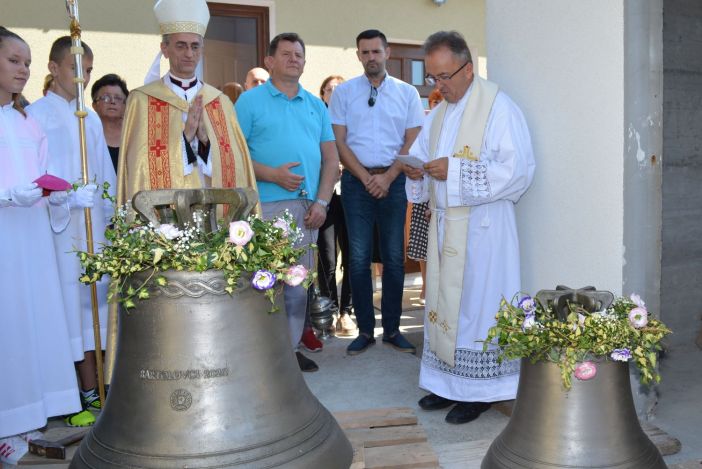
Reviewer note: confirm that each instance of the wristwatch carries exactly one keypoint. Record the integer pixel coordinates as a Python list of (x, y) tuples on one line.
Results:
[(323, 203)]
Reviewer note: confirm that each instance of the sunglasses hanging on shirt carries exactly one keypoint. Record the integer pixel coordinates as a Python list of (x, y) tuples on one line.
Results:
[(373, 96)]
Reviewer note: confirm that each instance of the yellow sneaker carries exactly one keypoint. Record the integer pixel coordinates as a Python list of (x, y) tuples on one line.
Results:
[(84, 418)]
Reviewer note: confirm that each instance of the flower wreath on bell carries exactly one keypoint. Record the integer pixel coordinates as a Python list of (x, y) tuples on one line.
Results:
[(624, 332), (263, 250)]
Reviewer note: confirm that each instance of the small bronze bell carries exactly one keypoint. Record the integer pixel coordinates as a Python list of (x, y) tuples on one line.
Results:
[(591, 425)]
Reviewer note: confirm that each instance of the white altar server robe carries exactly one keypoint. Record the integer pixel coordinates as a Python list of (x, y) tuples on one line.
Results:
[(38, 378), (491, 187), (56, 117)]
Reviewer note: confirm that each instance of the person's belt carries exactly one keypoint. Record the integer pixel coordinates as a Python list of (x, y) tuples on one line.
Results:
[(380, 170)]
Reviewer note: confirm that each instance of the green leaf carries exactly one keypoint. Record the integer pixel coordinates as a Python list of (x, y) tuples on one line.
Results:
[(158, 254)]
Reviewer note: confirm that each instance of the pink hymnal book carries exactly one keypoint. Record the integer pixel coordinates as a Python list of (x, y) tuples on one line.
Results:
[(51, 183)]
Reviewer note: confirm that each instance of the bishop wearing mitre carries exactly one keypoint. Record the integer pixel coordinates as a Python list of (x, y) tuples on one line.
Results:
[(178, 132)]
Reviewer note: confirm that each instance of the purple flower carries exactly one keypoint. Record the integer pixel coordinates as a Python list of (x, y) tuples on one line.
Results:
[(585, 370), (527, 304), (295, 275), (240, 232), (263, 280), (621, 354), (529, 321), (638, 317)]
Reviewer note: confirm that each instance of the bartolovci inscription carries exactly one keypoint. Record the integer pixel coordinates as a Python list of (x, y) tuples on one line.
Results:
[(177, 375)]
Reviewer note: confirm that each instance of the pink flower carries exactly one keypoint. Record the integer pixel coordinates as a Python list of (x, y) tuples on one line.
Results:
[(295, 275), (240, 232), (585, 370), (638, 317), (282, 224)]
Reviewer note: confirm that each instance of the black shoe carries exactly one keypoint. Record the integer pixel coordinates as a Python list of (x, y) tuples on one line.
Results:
[(465, 412), (360, 344), (306, 365), (433, 402), (399, 343)]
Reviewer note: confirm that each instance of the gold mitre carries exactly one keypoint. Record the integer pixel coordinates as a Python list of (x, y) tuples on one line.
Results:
[(182, 16)]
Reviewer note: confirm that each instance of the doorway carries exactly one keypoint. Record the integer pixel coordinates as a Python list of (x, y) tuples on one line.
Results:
[(236, 41)]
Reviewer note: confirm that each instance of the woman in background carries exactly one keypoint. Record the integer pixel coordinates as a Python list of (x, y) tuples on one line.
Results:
[(109, 95)]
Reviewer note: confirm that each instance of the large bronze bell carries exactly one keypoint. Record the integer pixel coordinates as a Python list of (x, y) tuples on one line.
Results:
[(203, 379), (591, 425)]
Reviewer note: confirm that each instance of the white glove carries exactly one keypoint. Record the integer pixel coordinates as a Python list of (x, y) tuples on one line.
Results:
[(25, 195), (58, 197), (83, 197)]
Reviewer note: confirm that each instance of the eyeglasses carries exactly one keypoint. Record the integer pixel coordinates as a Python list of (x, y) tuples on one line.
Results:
[(373, 96), (432, 80), (108, 98)]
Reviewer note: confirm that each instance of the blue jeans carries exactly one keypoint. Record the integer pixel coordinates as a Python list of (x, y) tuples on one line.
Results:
[(362, 212)]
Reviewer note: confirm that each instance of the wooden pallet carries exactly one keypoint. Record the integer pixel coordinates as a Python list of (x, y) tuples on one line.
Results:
[(387, 438), (381, 439)]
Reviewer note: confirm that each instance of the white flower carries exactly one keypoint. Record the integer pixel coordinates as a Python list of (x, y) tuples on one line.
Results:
[(169, 231), (636, 299), (240, 233)]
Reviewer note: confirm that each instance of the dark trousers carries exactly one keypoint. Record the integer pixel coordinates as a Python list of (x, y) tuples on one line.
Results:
[(333, 231)]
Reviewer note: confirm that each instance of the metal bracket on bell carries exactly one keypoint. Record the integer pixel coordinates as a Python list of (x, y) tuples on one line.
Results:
[(177, 206), (589, 298)]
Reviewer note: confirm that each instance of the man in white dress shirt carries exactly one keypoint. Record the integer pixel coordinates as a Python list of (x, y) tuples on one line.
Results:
[(479, 162), (375, 117)]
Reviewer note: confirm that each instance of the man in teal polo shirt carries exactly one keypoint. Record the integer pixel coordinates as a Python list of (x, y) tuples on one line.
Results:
[(294, 155)]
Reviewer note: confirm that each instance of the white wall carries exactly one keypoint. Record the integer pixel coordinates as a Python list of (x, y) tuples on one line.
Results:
[(562, 62), (588, 76)]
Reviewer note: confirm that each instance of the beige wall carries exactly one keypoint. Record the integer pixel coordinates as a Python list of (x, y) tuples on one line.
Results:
[(123, 34), (330, 27)]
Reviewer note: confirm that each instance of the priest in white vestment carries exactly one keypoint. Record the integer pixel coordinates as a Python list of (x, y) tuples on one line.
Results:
[(55, 114), (479, 162)]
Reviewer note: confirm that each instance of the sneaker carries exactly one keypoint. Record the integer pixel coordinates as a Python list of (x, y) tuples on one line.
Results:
[(84, 418), (306, 365), (360, 344), (91, 400), (345, 325), (399, 343), (310, 341)]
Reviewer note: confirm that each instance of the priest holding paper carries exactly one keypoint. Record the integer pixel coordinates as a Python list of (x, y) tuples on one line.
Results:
[(479, 162)]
